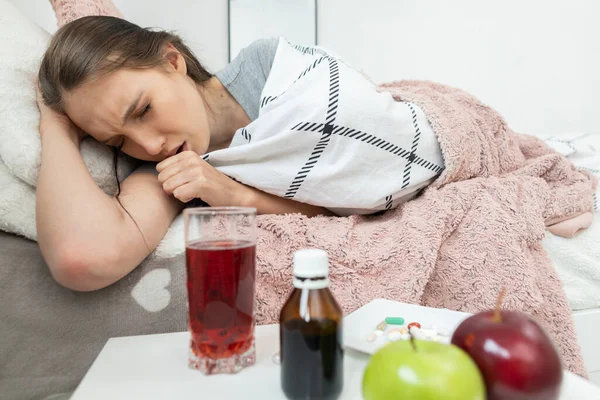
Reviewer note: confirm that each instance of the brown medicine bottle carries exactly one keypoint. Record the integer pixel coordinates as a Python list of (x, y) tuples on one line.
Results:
[(310, 328)]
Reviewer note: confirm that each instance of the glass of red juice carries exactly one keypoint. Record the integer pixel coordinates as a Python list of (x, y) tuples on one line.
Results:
[(220, 264)]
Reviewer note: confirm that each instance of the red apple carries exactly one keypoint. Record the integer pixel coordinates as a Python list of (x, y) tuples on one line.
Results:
[(516, 357)]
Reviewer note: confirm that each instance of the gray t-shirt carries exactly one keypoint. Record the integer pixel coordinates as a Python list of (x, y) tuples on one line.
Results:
[(246, 75)]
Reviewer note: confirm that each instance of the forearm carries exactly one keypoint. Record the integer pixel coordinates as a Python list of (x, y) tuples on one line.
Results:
[(187, 176), (75, 219), (266, 203)]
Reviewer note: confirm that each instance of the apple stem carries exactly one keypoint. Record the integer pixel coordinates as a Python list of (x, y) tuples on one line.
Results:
[(412, 342), (499, 300)]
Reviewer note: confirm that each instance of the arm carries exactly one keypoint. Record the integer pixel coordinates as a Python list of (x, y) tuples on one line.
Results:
[(266, 203), (187, 176), (86, 237)]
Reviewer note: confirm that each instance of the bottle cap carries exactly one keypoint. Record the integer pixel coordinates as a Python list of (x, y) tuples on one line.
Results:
[(311, 263)]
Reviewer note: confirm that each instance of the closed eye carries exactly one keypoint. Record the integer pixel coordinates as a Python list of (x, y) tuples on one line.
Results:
[(144, 111)]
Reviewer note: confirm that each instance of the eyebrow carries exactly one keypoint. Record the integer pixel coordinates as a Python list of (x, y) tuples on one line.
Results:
[(132, 107)]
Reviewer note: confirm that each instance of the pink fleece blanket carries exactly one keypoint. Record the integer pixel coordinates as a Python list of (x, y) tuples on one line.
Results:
[(70, 10), (477, 229)]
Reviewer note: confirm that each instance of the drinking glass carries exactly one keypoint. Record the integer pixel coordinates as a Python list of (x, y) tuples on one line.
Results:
[(220, 264)]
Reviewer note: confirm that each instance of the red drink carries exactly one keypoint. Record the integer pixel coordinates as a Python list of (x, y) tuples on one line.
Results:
[(221, 250), (220, 283)]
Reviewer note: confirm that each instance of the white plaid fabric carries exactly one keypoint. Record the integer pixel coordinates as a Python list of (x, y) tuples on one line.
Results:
[(326, 137)]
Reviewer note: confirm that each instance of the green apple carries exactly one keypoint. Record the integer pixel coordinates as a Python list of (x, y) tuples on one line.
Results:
[(427, 371)]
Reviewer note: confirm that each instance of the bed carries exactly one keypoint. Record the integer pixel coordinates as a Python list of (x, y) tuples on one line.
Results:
[(577, 261), (40, 356)]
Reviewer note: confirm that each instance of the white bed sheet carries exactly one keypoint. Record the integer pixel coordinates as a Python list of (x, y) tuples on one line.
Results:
[(577, 260)]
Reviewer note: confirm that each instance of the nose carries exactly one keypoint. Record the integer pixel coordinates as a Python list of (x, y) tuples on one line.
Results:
[(154, 145)]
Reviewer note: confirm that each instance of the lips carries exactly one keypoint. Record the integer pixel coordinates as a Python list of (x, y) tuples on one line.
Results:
[(178, 150), (181, 148)]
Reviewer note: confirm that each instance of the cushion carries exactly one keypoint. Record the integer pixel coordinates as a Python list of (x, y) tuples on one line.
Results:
[(50, 336), (22, 44)]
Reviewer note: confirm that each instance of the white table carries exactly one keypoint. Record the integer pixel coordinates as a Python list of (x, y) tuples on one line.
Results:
[(155, 367)]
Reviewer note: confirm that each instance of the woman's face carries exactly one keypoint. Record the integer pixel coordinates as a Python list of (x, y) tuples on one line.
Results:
[(148, 113)]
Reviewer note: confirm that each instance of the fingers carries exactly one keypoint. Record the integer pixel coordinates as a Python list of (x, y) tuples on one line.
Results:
[(185, 176), (186, 192), (166, 163), (186, 156), (180, 179), (166, 173), (176, 165)]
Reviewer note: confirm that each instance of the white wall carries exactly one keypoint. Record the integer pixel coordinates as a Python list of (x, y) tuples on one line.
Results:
[(202, 23), (536, 61), (252, 19)]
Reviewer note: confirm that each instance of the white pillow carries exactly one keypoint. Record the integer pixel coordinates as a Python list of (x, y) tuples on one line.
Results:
[(22, 45)]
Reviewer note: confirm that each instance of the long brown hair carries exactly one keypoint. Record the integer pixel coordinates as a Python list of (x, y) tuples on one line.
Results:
[(90, 47)]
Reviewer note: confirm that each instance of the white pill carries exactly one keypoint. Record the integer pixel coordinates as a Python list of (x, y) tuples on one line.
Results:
[(393, 336), (416, 332), (378, 333), (444, 339), (428, 332)]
